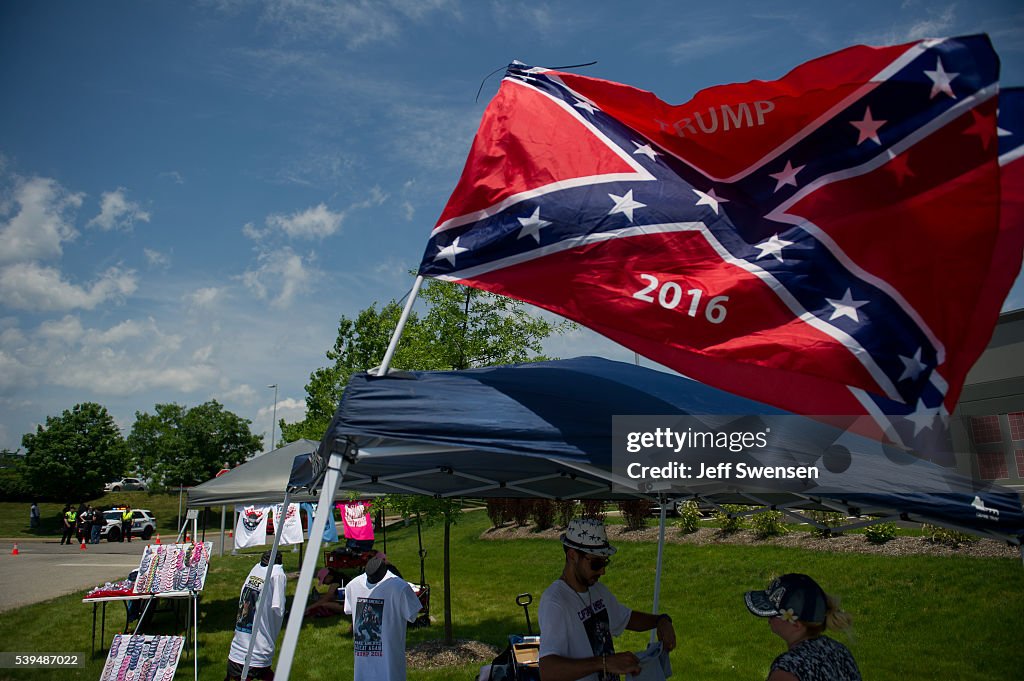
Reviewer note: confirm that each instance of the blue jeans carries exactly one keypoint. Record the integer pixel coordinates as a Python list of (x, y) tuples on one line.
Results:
[(95, 538)]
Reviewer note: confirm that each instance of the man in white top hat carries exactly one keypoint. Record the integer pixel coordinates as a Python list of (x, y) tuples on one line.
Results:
[(578, 616)]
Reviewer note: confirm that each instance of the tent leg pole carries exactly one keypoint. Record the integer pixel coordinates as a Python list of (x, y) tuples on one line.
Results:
[(335, 471), (385, 363), (657, 571), (223, 528), (279, 530)]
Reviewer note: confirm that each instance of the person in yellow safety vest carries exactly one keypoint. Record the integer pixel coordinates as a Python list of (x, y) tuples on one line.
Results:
[(126, 523), (70, 520)]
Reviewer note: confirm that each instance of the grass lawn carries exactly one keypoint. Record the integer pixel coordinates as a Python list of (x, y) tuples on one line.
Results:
[(916, 617)]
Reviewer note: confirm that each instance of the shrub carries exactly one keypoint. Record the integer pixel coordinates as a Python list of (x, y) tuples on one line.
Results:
[(496, 511), (946, 536), (689, 517), (880, 533), (520, 511), (543, 513), (768, 524), (730, 523), (593, 508), (565, 510), (829, 519), (635, 512)]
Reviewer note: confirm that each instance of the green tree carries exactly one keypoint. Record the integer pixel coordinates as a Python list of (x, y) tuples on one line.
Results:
[(179, 446), (461, 329), (72, 455)]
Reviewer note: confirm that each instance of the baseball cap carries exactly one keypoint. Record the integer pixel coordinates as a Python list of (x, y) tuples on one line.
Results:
[(793, 597)]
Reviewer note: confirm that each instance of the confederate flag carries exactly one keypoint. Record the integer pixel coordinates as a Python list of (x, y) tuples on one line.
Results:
[(829, 243)]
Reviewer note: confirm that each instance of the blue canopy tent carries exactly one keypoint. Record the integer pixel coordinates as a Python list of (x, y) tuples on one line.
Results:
[(545, 430)]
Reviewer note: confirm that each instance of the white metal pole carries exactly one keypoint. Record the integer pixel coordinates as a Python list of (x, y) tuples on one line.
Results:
[(657, 571), (223, 528), (385, 363), (278, 533), (273, 424), (336, 467)]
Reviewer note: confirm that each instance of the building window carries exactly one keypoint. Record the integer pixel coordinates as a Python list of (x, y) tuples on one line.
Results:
[(1016, 425), (985, 430), (992, 465), (1018, 454)]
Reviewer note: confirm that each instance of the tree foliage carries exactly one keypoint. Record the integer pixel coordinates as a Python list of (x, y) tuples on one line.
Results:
[(462, 328), (74, 454), (179, 446)]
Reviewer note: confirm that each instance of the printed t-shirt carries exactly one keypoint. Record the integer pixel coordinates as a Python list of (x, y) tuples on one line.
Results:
[(380, 613), (818, 659), (578, 625), (356, 519), (252, 526), (269, 624)]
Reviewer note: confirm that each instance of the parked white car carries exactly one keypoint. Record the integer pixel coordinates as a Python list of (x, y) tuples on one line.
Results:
[(143, 524), (125, 484)]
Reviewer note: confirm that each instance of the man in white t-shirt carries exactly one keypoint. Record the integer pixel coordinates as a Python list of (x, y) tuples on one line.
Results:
[(381, 604), (265, 627), (578, 616)]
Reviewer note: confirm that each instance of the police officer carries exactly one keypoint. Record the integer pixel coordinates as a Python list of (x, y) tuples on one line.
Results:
[(126, 523), (70, 520)]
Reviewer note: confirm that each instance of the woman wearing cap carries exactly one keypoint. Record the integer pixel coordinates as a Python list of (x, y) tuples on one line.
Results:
[(799, 613), (578, 616)]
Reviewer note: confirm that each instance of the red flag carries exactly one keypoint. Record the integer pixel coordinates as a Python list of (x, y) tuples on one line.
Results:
[(829, 243)]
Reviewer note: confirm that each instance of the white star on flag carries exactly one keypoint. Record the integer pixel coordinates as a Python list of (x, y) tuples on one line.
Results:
[(912, 366), (786, 176), (647, 150), (923, 417), (532, 225), (625, 205), (941, 81), (709, 199), (868, 128), (586, 106), (846, 306), (772, 247), (450, 251)]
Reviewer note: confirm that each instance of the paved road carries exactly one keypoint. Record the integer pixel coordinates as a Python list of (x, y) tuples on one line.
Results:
[(44, 569)]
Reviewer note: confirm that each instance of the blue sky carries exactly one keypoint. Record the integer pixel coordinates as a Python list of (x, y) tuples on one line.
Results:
[(192, 194)]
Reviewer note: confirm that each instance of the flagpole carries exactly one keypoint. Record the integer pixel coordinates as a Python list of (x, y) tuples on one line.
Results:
[(385, 363)]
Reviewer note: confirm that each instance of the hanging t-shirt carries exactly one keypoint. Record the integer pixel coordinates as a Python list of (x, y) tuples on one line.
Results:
[(290, 529), (380, 613), (330, 529), (578, 625), (267, 626), (355, 516), (252, 526)]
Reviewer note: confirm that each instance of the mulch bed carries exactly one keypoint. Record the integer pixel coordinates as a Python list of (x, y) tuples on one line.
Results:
[(851, 543), (433, 654)]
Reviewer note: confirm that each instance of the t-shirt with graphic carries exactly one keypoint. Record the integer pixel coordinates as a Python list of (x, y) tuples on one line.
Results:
[(818, 659), (289, 529), (578, 625), (268, 626), (380, 613), (251, 529), (356, 518)]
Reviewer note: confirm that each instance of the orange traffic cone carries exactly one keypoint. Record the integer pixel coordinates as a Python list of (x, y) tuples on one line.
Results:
[(158, 539), (82, 547), (14, 552)]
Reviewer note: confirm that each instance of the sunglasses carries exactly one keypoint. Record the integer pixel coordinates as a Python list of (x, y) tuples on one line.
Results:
[(597, 564)]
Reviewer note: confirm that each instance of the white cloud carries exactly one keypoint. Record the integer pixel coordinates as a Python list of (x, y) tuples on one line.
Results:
[(156, 258), (30, 286), (43, 221), (935, 26), (250, 231), (281, 276), (205, 298), (117, 212), (243, 393), (313, 223), (174, 176), (289, 409)]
